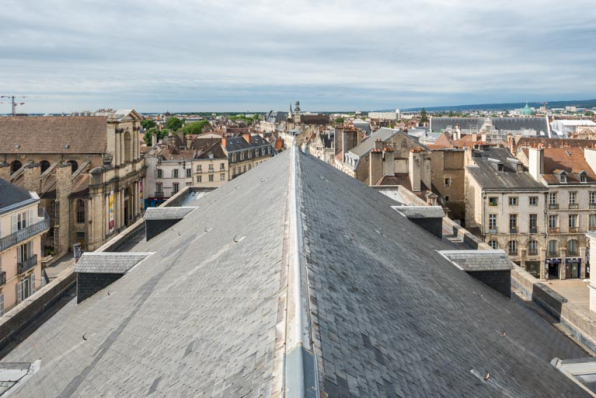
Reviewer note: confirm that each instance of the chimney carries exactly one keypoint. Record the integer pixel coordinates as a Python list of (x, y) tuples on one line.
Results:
[(414, 172), (189, 141), (247, 137), (536, 163), (425, 169), (378, 144), (388, 161), (375, 166), (474, 137), (180, 134), (153, 139), (224, 141), (457, 133), (349, 140)]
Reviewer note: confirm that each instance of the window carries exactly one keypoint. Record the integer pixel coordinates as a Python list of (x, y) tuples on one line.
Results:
[(447, 182), (1, 304), (552, 198), (175, 187), (492, 221), (592, 198), (263, 151), (127, 147), (210, 177), (583, 177), (513, 201), (572, 198), (233, 157), (269, 150), (242, 155), (80, 211), (25, 288), (199, 178), (493, 201), (572, 248), (533, 200), (513, 222), (573, 221), (222, 166), (493, 244), (244, 169), (500, 167), (592, 220), (563, 177), (175, 173), (199, 169), (532, 247), (159, 187), (553, 247), (533, 223), (553, 221), (159, 173), (222, 177), (211, 168), (512, 247), (446, 198), (19, 221), (188, 173)]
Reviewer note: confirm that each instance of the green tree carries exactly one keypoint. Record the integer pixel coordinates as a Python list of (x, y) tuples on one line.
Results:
[(160, 134), (423, 116), (195, 127), (174, 123), (147, 124), (339, 120), (589, 114)]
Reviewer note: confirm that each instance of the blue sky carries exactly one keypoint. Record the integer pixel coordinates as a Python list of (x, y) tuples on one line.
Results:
[(157, 55)]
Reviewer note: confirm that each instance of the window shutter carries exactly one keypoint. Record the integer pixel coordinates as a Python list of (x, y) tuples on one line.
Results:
[(1, 304), (31, 216), (14, 223), (19, 292), (32, 279)]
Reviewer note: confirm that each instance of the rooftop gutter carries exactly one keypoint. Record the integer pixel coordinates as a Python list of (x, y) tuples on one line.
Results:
[(300, 373)]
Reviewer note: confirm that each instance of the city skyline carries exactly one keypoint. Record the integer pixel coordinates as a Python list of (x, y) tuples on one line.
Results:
[(206, 56)]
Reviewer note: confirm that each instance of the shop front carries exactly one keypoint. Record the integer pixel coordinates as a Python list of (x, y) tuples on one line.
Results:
[(573, 267), (552, 265)]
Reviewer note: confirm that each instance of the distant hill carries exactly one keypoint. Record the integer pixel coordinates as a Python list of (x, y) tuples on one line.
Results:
[(501, 107)]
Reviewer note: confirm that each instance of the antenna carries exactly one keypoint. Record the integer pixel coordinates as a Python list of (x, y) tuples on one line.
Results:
[(13, 104)]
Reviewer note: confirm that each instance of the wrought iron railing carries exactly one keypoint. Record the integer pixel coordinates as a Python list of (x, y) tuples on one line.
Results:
[(19, 236), (27, 264)]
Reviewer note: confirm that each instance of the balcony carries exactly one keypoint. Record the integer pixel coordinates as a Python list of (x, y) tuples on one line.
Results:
[(513, 252), (592, 205), (25, 233), (533, 230), (27, 264), (513, 230), (573, 230), (532, 252), (553, 230), (2, 278), (553, 254), (493, 231), (553, 205), (574, 205)]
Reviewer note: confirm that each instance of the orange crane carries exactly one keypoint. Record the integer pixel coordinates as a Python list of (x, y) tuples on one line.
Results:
[(12, 102)]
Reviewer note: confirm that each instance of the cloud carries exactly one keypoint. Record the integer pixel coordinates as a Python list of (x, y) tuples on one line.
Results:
[(259, 55)]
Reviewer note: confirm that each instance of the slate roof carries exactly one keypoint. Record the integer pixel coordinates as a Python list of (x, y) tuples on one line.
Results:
[(421, 211), (239, 143), (365, 146), (108, 263), (538, 124), (488, 177), (207, 313), (11, 195), (475, 260), (167, 213), (51, 134)]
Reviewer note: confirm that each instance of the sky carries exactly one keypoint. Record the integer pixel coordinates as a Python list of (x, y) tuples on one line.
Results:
[(260, 55)]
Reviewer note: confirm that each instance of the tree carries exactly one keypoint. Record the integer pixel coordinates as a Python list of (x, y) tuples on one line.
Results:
[(339, 120), (589, 114), (423, 116), (148, 137), (195, 127), (147, 124), (174, 123)]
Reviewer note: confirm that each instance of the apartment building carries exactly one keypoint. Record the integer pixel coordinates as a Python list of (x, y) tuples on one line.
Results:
[(568, 173), (211, 168), (22, 224), (505, 206), (245, 152)]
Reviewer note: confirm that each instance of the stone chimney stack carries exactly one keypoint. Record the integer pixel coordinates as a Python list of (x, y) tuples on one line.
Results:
[(32, 177), (388, 161), (180, 134), (378, 144), (414, 170), (188, 141), (376, 166), (536, 163)]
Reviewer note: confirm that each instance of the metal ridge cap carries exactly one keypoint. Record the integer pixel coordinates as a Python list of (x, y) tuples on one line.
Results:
[(300, 363)]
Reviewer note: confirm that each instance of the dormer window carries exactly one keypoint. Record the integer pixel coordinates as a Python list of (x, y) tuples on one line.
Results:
[(563, 177), (500, 167), (520, 167), (583, 177)]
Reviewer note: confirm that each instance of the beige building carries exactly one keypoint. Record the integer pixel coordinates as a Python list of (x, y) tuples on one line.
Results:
[(87, 170), (22, 223)]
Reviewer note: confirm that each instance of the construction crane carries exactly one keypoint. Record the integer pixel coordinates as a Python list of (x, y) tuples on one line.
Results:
[(13, 104)]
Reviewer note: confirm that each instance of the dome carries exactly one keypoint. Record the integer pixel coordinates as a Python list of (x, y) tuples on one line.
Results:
[(527, 111)]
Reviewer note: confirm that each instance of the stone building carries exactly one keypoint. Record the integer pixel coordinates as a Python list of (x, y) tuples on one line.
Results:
[(87, 170), (22, 223), (448, 180)]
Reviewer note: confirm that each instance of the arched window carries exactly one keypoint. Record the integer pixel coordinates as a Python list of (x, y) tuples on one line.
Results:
[(44, 165), (553, 247), (127, 147), (532, 247), (512, 247), (493, 244), (15, 166), (572, 248), (80, 211), (74, 166)]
